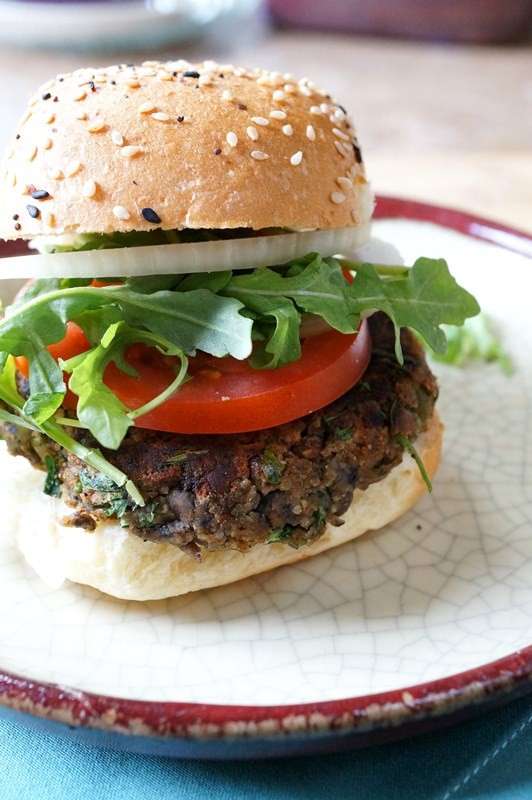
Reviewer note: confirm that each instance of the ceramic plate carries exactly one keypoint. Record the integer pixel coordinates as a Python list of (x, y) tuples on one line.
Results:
[(420, 623)]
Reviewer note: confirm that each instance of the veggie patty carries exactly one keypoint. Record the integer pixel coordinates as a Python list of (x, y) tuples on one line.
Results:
[(235, 491)]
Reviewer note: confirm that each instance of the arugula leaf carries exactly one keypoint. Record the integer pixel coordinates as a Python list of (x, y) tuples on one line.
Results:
[(319, 288), (214, 281), (196, 320), (474, 341), (93, 458), (423, 298), (98, 408), (282, 344), (408, 445)]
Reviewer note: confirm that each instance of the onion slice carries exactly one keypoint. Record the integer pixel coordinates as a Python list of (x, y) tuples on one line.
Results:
[(176, 259)]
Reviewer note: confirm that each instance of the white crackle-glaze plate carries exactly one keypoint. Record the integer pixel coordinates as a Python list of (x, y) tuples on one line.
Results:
[(426, 619)]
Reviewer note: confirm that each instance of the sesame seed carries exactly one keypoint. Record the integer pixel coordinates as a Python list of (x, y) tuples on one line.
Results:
[(89, 189), (258, 155), (120, 212), (180, 118), (278, 95), (117, 138), (296, 158), (324, 107), (340, 149), (32, 152), (191, 73), (50, 220), (337, 197), (56, 174), (33, 211), (130, 151), (97, 126), (231, 139), (315, 110), (339, 114), (358, 153), (217, 151), (16, 217), (18, 226), (277, 114), (146, 108), (49, 118), (289, 88), (47, 144), (46, 96), (226, 95), (252, 133), (133, 84), (81, 95), (311, 133), (151, 216), (160, 116), (72, 168), (287, 130), (40, 194), (260, 121), (305, 90), (205, 80), (82, 115), (344, 183), (340, 134)]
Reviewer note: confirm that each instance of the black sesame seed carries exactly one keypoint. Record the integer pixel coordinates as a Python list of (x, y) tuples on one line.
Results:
[(33, 211), (217, 151), (40, 194), (61, 80), (180, 118), (175, 74), (92, 86), (358, 153), (18, 226), (15, 217), (17, 136), (342, 108), (113, 83), (221, 75), (242, 107), (190, 73), (150, 215), (56, 99), (46, 96)]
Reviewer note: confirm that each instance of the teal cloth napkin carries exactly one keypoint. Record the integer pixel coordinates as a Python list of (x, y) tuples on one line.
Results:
[(486, 759)]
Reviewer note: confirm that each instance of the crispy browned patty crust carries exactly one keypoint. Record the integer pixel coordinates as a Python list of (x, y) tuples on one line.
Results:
[(280, 484)]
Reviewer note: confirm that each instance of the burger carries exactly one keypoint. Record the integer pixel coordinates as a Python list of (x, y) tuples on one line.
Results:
[(211, 369)]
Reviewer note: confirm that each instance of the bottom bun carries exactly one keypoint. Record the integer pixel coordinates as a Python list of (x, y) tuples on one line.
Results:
[(123, 565)]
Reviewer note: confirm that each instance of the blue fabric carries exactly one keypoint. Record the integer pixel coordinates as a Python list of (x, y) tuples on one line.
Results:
[(486, 759)]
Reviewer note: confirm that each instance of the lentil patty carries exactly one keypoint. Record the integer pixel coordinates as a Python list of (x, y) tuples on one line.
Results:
[(281, 484)]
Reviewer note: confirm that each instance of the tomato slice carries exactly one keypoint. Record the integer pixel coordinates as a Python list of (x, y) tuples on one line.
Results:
[(228, 396)]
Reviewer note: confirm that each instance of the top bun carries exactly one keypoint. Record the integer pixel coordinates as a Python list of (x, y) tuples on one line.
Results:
[(179, 145)]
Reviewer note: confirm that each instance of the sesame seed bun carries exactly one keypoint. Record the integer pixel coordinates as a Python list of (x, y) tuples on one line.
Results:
[(123, 565), (176, 145)]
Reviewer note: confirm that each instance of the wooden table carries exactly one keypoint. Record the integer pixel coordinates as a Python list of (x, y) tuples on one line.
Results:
[(448, 124)]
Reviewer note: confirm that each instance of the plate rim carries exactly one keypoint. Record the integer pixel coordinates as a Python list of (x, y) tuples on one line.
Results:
[(364, 713)]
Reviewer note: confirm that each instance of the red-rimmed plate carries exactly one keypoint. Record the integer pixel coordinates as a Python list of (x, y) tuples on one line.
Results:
[(417, 625)]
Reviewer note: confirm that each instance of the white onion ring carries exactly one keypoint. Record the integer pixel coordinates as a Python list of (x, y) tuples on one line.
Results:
[(176, 259)]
